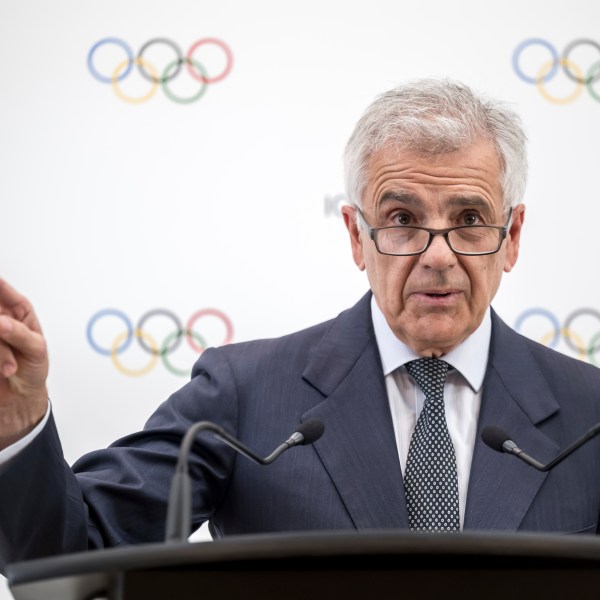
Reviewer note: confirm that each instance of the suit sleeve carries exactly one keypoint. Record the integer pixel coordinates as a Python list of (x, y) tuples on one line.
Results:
[(119, 495)]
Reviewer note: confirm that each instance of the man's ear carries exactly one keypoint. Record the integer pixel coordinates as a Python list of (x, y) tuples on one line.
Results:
[(349, 214), (514, 237)]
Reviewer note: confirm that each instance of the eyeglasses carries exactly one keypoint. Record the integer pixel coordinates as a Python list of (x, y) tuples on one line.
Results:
[(407, 240)]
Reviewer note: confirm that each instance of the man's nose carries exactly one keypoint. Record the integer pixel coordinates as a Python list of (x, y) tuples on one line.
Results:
[(439, 255)]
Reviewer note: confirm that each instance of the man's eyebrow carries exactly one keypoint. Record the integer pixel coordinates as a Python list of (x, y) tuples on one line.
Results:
[(400, 196), (474, 201), (459, 201)]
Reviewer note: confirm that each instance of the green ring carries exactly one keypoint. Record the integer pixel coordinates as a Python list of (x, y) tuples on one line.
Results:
[(169, 93), (592, 347), (590, 81), (168, 340)]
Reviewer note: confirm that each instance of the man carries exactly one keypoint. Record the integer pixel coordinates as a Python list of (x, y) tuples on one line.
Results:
[(436, 176)]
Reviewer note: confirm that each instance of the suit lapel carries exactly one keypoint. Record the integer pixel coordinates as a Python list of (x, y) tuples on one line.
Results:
[(358, 448), (515, 398)]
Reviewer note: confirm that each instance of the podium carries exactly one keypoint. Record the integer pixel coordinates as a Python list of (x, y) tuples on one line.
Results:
[(310, 566)]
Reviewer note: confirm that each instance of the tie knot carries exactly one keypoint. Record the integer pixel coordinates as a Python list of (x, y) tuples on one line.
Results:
[(430, 374)]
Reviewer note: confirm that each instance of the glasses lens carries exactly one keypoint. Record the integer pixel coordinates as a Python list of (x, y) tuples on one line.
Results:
[(402, 240), (474, 240)]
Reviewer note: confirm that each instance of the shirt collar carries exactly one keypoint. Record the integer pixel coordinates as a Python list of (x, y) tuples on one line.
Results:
[(469, 358)]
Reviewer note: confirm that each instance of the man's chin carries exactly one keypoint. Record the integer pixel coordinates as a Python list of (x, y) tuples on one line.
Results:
[(434, 335)]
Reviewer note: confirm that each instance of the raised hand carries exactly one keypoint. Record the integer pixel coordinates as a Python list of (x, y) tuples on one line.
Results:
[(23, 367)]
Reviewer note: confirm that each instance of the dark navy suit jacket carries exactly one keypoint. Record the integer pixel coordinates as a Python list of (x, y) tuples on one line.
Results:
[(351, 479)]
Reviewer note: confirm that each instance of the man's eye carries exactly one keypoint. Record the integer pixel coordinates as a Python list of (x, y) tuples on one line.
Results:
[(402, 219), (471, 219)]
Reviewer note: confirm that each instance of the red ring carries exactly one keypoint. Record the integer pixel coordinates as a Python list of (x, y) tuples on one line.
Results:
[(199, 76), (210, 312)]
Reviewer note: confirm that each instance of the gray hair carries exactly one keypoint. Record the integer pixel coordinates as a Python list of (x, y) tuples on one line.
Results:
[(429, 117)]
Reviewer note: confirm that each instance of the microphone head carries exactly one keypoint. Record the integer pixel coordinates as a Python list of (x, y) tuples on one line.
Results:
[(495, 437), (311, 431)]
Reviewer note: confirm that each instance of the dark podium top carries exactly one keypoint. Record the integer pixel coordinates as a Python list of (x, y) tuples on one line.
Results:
[(377, 564)]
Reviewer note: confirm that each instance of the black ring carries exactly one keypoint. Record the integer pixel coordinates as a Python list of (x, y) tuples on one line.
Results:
[(169, 43), (578, 313), (565, 58), (166, 313)]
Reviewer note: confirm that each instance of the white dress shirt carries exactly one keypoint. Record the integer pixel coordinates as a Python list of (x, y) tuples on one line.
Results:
[(462, 392), (14, 449)]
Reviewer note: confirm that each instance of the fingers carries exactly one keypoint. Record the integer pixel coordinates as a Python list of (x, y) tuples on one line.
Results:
[(18, 341), (23, 367), (17, 306), (10, 298), (8, 362)]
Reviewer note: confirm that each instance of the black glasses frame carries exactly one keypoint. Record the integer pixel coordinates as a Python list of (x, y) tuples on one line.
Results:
[(373, 231)]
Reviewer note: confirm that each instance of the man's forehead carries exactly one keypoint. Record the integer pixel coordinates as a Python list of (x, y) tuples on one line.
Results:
[(469, 176)]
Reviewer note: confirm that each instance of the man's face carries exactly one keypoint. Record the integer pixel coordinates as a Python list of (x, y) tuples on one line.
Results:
[(433, 301)]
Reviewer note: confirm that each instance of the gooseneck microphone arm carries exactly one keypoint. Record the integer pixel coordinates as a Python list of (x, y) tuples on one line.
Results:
[(499, 440), (179, 512)]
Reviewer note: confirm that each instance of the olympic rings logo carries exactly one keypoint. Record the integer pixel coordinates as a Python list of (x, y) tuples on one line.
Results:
[(171, 339), (159, 77), (585, 346), (549, 69)]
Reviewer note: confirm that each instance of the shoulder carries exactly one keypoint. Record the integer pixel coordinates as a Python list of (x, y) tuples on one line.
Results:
[(543, 353), (558, 368), (283, 348), (563, 373), (292, 349)]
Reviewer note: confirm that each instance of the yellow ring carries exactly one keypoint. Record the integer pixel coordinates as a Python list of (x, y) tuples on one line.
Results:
[(572, 336), (546, 69), (114, 354), (142, 63)]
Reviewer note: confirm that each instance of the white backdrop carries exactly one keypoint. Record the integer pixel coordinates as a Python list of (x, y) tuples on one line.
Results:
[(230, 202)]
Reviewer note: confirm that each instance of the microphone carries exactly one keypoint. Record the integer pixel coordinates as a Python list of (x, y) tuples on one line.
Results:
[(179, 510), (499, 440)]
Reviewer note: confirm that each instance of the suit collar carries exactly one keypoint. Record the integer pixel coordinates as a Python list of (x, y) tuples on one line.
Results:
[(516, 398), (358, 448), (346, 339), (515, 366)]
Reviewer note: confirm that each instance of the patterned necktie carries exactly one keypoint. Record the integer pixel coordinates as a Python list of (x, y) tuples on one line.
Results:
[(431, 479)]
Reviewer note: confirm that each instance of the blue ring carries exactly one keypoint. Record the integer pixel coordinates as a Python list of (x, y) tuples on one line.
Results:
[(544, 313), (530, 42), (118, 42), (104, 313)]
